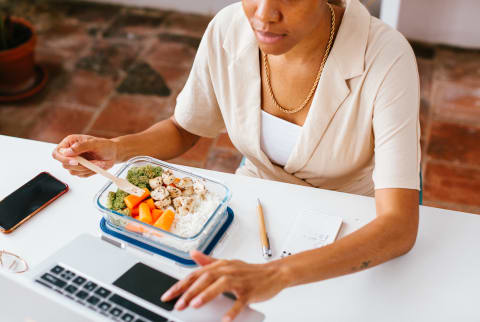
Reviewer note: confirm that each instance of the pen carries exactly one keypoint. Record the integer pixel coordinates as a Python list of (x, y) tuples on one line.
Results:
[(267, 252)]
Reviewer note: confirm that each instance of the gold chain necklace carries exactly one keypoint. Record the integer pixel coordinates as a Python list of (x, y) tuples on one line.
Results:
[(315, 84)]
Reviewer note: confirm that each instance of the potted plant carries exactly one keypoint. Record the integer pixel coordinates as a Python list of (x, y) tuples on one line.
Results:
[(18, 74)]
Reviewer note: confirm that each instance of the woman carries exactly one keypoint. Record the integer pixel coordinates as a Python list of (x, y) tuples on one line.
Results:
[(311, 93)]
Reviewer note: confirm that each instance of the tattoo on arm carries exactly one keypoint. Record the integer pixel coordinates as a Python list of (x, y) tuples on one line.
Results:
[(364, 265)]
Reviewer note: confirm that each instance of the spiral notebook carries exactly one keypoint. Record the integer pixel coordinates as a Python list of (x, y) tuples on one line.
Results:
[(311, 229)]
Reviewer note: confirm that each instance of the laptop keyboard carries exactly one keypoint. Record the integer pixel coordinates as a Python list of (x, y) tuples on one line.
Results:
[(95, 297)]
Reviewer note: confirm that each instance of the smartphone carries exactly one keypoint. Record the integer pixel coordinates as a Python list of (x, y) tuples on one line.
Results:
[(29, 199)]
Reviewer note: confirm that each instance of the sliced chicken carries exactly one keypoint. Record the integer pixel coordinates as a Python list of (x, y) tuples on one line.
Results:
[(155, 182), (164, 203), (200, 188), (168, 177), (185, 183), (174, 191), (189, 191), (159, 193)]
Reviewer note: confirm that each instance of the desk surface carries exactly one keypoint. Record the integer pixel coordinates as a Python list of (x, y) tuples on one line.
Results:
[(437, 281)]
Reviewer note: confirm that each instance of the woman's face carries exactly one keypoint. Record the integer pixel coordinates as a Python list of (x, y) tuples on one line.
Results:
[(280, 25)]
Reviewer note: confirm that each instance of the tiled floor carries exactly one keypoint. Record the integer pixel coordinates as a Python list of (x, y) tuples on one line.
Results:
[(116, 70)]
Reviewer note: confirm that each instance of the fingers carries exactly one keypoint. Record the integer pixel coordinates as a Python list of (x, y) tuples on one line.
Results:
[(237, 307), (180, 287), (200, 258), (196, 288), (209, 293)]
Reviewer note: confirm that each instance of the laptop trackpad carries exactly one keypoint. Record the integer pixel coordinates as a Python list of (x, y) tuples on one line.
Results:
[(148, 284)]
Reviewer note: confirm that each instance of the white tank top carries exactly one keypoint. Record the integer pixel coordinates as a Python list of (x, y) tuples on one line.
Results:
[(278, 138)]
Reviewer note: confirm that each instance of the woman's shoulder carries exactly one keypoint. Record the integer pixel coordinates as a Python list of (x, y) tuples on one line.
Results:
[(386, 44)]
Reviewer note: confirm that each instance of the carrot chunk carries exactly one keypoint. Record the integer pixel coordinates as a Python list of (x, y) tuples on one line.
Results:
[(144, 213), (156, 213), (165, 221), (131, 200), (150, 203), (135, 228)]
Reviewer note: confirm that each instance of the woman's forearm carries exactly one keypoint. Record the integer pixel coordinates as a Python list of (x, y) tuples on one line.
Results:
[(164, 140), (377, 242)]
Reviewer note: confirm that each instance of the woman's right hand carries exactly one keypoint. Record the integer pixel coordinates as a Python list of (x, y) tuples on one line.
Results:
[(102, 152)]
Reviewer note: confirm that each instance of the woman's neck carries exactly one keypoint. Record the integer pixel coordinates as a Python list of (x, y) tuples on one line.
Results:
[(307, 50)]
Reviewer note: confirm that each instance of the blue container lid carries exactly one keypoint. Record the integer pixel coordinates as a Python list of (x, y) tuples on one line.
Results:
[(180, 260)]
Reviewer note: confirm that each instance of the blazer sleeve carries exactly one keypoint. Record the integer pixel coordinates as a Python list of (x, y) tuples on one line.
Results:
[(197, 109), (396, 126)]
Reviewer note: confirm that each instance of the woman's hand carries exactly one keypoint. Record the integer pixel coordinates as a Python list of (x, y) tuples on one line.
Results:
[(248, 282), (100, 151)]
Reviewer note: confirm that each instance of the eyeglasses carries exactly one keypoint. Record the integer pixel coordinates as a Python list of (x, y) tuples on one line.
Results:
[(12, 263)]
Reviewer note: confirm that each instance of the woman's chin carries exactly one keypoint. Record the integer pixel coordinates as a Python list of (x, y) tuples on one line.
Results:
[(273, 49)]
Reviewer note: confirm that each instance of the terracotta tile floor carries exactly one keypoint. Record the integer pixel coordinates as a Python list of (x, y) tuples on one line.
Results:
[(114, 70)]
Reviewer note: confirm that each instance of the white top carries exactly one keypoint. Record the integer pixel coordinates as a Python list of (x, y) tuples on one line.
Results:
[(436, 281), (278, 138)]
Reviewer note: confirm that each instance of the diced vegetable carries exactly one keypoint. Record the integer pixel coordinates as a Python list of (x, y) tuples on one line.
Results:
[(166, 219), (135, 211), (177, 180), (144, 213), (151, 203), (140, 176), (156, 213), (125, 212), (115, 200), (131, 200), (133, 227)]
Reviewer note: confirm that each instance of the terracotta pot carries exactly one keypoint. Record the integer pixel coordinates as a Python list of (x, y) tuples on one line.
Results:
[(17, 65)]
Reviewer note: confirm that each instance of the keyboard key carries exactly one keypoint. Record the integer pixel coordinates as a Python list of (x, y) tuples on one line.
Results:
[(127, 317), (44, 284), (71, 289), (139, 320), (68, 275), (90, 286), (79, 280), (116, 311), (82, 295), (135, 308), (102, 292), (53, 280), (93, 300), (57, 269), (104, 306)]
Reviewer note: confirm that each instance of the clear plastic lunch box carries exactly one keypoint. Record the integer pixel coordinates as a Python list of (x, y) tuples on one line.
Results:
[(150, 237)]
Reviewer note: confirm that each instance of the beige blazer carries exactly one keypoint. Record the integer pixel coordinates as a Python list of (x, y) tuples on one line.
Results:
[(362, 131)]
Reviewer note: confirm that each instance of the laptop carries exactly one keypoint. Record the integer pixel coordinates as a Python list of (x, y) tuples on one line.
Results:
[(90, 279)]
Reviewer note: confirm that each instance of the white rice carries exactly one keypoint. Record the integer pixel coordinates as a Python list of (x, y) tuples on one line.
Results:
[(191, 223)]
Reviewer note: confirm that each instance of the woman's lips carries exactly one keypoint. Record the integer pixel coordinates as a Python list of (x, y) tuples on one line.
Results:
[(268, 37)]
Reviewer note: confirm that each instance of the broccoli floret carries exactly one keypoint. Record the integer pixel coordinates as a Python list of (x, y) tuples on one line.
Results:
[(118, 203), (140, 176), (125, 212), (110, 199)]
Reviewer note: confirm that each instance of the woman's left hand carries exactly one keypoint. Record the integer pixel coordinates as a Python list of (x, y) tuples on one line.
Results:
[(248, 282)]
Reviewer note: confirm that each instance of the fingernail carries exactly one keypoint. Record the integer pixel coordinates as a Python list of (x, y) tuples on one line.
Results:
[(180, 304), (196, 302), (73, 162), (165, 296), (227, 319)]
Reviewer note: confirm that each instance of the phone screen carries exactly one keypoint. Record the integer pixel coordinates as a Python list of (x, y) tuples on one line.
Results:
[(28, 199)]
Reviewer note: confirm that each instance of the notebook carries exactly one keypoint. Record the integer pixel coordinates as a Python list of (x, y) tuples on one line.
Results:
[(311, 229)]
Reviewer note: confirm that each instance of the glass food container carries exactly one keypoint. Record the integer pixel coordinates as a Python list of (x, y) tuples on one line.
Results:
[(165, 241)]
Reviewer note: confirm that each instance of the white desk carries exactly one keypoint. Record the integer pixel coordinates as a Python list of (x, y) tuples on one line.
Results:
[(439, 280)]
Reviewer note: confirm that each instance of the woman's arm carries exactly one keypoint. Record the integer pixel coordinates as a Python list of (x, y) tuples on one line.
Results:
[(164, 140), (391, 234)]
